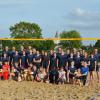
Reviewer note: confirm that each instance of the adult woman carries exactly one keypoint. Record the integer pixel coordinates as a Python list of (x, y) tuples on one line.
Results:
[(92, 67), (37, 60)]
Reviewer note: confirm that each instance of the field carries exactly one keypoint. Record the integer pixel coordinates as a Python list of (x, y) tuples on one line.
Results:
[(11, 90)]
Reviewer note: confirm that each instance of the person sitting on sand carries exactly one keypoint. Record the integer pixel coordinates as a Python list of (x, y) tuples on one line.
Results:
[(71, 73), (6, 70), (40, 75), (53, 76), (30, 76), (12, 73), (18, 72), (62, 76)]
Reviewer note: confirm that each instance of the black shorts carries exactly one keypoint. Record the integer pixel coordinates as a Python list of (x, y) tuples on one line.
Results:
[(91, 68), (97, 68), (45, 65), (82, 78), (71, 76)]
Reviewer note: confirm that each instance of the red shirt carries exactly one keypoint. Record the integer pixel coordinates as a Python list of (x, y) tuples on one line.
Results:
[(6, 68)]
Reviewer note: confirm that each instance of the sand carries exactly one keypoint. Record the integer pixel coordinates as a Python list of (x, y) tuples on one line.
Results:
[(12, 90)]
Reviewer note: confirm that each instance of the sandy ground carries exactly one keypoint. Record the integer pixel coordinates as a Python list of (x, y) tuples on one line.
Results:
[(11, 90)]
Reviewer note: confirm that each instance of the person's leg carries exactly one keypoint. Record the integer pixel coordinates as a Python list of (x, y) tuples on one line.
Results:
[(6, 76), (98, 74), (68, 80), (87, 80), (51, 78), (56, 79), (84, 79), (92, 78)]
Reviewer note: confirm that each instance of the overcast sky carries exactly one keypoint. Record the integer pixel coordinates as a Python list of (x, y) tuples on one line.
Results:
[(52, 15)]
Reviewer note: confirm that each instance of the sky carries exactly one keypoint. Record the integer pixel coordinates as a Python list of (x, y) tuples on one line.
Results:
[(52, 16)]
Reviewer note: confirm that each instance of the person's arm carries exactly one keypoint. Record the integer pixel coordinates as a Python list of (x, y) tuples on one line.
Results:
[(95, 65), (68, 76), (89, 63), (27, 61), (78, 72), (84, 74), (67, 63), (38, 61), (57, 63), (9, 68), (20, 60), (34, 60)]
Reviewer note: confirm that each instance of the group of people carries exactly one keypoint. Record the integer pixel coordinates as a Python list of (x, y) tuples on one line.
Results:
[(56, 67)]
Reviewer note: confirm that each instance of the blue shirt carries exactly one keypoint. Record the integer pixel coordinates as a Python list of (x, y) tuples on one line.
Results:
[(84, 70)]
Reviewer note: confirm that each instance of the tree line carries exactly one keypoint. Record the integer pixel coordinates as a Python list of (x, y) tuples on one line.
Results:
[(33, 30)]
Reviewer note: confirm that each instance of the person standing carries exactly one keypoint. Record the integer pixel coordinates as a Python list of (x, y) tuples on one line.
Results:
[(97, 57)]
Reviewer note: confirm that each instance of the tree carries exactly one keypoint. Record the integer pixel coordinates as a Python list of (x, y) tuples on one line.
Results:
[(97, 44), (69, 43), (7, 43), (47, 45), (25, 30)]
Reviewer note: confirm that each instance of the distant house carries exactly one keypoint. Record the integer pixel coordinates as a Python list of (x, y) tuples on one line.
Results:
[(57, 41), (56, 36)]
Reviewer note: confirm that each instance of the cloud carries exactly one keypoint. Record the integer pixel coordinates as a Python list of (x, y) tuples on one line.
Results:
[(80, 12), (84, 20)]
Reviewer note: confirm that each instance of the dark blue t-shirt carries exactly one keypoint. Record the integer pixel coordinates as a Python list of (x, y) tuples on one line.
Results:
[(30, 58), (97, 57), (62, 59), (23, 59), (69, 61), (92, 62), (16, 58), (72, 69), (53, 61)]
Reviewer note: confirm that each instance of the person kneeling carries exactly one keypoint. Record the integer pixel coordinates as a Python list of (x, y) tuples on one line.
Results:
[(82, 75)]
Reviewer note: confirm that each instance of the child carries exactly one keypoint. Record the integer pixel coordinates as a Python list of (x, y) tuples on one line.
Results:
[(12, 73), (71, 73), (62, 77), (6, 70), (40, 75)]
